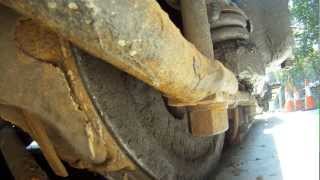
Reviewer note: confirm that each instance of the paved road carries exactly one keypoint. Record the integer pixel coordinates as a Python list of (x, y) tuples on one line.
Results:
[(280, 146)]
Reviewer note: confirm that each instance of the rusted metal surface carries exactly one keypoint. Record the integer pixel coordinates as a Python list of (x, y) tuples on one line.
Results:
[(39, 133), (137, 37), (196, 27), (210, 118), (142, 123), (21, 164), (241, 119), (232, 101), (38, 41), (102, 144), (233, 131), (33, 84)]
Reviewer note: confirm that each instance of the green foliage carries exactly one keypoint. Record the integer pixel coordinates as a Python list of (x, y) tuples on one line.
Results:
[(305, 20)]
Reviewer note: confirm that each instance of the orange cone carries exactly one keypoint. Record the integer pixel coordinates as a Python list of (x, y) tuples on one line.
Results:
[(289, 104), (309, 100), (298, 103)]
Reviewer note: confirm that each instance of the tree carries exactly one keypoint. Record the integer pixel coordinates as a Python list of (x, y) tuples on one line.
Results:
[(305, 18)]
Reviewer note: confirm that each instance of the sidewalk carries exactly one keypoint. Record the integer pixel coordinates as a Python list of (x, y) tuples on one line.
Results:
[(280, 146)]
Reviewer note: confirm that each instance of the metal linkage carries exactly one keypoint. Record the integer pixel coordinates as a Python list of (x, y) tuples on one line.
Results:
[(39, 133), (210, 118), (196, 27), (43, 94), (137, 37)]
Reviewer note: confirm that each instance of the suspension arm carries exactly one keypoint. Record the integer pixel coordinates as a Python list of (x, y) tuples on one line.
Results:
[(137, 37)]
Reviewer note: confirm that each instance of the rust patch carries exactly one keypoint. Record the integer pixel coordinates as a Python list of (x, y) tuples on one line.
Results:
[(95, 129), (97, 26), (39, 132), (208, 119), (48, 85), (37, 41)]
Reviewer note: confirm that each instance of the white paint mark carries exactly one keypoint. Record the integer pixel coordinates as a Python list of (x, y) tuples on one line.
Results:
[(122, 43), (132, 53), (73, 6)]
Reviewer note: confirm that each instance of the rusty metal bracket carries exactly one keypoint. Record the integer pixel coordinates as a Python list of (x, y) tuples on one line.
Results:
[(207, 117), (39, 133), (137, 37), (39, 77)]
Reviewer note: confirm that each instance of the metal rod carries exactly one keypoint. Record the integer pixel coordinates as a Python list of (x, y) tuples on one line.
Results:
[(41, 137), (208, 119), (137, 37), (196, 27)]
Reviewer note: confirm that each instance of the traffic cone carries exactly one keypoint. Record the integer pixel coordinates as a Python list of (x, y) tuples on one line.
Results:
[(289, 104), (309, 100), (298, 103)]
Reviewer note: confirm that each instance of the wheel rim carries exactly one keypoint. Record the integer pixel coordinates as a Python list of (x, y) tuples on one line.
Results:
[(139, 120)]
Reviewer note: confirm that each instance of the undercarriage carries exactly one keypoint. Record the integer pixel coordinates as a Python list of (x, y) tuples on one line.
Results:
[(128, 89)]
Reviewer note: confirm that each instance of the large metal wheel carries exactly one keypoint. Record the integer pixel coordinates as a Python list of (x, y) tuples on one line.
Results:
[(134, 114), (138, 118), (241, 119)]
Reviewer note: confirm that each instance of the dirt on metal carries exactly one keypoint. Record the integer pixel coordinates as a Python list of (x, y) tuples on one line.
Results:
[(38, 41), (141, 41), (37, 84)]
